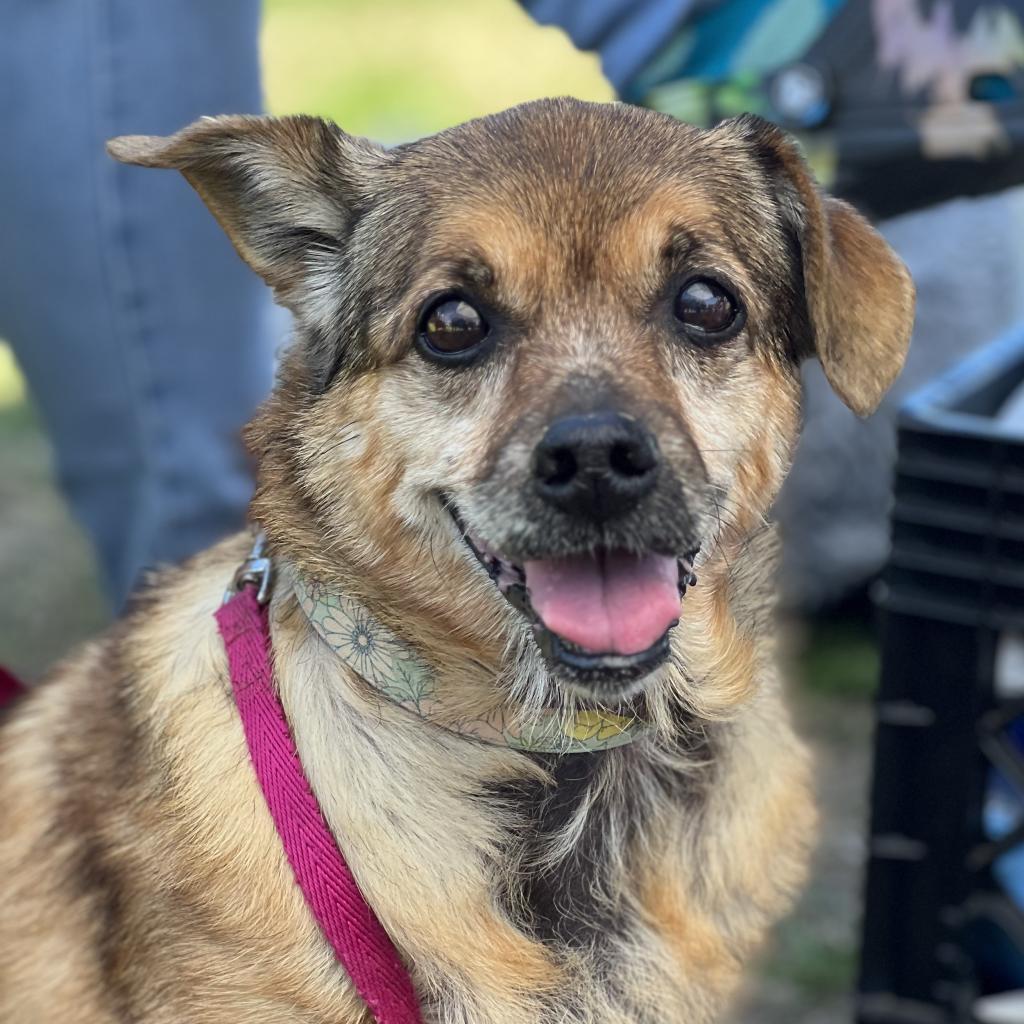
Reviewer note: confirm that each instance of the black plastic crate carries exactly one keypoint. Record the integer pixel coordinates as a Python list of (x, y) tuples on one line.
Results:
[(939, 930)]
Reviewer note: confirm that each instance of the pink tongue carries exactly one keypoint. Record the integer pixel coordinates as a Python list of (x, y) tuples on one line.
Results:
[(612, 603)]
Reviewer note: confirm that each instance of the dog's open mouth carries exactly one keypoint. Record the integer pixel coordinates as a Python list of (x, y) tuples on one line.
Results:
[(602, 619)]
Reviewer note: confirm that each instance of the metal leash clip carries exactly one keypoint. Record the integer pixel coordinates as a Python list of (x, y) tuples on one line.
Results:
[(256, 569)]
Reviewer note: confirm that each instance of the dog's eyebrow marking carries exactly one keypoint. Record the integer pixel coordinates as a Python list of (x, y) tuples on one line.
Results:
[(473, 270), (680, 247)]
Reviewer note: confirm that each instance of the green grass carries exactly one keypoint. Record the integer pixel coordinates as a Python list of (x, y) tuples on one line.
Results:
[(50, 598), (12, 387), (839, 659), (820, 970), (398, 69), (17, 420)]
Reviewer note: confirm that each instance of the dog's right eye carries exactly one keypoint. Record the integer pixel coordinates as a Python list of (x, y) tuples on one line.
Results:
[(451, 327)]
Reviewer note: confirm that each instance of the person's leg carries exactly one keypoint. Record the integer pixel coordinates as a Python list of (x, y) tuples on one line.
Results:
[(145, 340), (967, 261)]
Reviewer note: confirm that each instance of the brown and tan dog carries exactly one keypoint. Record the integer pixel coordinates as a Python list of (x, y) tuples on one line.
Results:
[(543, 362)]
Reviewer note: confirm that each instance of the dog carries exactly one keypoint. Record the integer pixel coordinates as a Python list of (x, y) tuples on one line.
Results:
[(543, 388)]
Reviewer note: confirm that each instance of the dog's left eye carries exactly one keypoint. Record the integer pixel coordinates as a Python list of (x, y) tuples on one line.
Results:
[(452, 327), (706, 307)]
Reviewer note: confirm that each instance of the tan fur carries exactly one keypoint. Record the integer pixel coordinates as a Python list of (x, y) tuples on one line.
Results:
[(141, 878)]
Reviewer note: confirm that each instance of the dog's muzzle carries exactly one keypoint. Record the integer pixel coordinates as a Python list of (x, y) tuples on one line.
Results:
[(596, 574), (600, 618)]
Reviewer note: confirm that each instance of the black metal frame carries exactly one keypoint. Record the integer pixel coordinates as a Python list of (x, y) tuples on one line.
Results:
[(954, 582)]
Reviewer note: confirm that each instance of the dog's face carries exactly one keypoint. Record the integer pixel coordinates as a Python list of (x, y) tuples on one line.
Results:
[(556, 349)]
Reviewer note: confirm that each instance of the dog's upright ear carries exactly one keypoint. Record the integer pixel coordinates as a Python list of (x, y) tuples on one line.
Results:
[(859, 295), (282, 188)]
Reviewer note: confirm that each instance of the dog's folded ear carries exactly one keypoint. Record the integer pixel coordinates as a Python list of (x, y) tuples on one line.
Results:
[(280, 187), (859, 295)]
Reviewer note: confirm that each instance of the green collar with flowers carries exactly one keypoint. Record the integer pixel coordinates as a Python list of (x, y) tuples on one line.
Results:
[(393, 669)]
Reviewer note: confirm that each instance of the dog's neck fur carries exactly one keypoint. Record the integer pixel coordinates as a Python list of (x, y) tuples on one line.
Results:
[(388, 665)]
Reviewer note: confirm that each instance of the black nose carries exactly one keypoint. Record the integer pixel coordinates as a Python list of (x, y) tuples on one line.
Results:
[(596, 466)]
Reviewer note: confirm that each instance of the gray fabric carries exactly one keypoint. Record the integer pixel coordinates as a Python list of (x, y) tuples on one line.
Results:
[(145, 340), (967, 259)]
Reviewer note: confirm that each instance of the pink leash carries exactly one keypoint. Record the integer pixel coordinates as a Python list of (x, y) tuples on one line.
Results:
[(347, 921)]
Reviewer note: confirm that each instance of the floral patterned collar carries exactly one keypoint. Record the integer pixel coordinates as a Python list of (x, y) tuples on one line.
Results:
[(397, 672)]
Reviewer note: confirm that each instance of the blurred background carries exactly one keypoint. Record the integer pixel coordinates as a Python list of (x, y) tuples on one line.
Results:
[(398, 69)]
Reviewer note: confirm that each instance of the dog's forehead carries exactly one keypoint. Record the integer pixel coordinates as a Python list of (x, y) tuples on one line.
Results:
[(577, 185), (555, 157)]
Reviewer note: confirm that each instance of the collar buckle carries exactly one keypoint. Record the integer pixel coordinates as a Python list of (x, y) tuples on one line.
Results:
[(257, 569)]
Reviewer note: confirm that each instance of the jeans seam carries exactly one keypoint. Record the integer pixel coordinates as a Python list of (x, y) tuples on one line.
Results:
[(125, 294)]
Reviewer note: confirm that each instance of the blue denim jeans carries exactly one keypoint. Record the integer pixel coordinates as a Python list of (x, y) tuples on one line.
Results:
[(145, 340)]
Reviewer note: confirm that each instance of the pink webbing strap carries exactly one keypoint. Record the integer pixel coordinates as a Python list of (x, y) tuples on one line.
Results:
[(10, 686), (350, 926)]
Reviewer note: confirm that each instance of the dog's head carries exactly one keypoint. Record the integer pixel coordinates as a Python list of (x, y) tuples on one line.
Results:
[(543, 359)]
